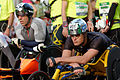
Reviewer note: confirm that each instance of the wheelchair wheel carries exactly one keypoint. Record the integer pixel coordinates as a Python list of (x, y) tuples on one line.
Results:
[(52, 51), (39, 75), (113, 69)]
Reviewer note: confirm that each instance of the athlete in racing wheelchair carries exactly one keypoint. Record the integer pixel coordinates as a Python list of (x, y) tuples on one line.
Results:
[(30, 32), (93, 46)]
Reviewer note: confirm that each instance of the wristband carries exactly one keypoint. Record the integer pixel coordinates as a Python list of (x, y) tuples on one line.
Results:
[(90, 23), (90, 20), (9, 27), (107, 22), (65, 24)]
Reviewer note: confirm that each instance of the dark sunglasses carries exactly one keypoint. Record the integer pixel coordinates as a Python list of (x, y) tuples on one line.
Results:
[(75, 35), (20, 14)]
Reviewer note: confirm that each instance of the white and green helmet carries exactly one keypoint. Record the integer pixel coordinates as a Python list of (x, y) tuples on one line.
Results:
[(77, 26)]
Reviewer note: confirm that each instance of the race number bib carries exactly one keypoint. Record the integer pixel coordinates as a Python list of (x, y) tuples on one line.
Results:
[(81, 8), (0, 9), (104, 8)]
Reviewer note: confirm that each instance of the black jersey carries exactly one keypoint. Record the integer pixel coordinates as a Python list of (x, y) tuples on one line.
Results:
[(95, 40)]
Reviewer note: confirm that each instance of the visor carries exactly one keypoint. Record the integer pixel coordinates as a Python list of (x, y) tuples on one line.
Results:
[(20, 13)]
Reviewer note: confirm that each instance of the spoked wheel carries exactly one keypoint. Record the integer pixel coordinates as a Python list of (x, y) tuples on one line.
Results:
[(113, 69), (39, 75)]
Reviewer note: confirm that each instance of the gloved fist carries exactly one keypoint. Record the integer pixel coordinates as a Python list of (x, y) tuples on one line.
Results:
[(17, 42), (39, 46)]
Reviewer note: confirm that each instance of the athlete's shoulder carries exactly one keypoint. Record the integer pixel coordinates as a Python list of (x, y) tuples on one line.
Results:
[(38, 21)]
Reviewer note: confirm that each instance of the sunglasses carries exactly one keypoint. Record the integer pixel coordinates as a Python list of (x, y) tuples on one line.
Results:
[(75, 35), (20, 14)]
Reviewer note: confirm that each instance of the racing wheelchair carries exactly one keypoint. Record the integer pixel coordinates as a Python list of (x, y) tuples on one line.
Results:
[(31, 64), (107, 65)]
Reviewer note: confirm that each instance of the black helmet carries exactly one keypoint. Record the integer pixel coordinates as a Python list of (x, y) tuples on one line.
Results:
[(23, 9)]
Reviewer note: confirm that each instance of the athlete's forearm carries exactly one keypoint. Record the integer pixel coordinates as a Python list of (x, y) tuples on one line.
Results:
[(28, 48), (29, 43)]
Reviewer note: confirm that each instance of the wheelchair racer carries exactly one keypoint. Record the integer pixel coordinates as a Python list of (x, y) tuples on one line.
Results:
[(90, 44), (30, 31)]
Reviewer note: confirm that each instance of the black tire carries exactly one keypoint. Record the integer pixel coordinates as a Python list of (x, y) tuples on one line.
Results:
[(101, 78), (113, 64), (52, 51), (39, 75)]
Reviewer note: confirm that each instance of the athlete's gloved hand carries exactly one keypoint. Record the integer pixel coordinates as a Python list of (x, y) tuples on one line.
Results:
[(39, 48), (17, 42)]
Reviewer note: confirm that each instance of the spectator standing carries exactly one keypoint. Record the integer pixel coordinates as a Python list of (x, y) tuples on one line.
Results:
[(109, 10), (57, 37), (6, 15), (72, 9), (6, 20), (93, 2), (114, 22), (39, 7)]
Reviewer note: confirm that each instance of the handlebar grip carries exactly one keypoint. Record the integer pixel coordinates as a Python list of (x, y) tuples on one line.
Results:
[(43, 48)]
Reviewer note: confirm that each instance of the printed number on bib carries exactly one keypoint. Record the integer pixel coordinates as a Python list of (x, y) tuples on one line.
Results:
[(81, 8), (104, 8)]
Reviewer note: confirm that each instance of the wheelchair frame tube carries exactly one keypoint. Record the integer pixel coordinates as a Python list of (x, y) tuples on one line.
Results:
[(56, 74)]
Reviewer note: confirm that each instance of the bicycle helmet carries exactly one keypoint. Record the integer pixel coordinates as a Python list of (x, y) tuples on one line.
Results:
[(77, 26), (23, 9)]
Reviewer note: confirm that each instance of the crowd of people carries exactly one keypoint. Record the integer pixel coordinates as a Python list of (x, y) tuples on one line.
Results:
[(87, 26)]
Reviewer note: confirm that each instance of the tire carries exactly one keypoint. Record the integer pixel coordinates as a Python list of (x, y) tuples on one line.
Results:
[(52, 51), (113, 64), (39, 75), (101, 78)]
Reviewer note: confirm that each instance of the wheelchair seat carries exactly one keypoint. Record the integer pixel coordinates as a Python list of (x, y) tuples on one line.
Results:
[(99, 67)]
